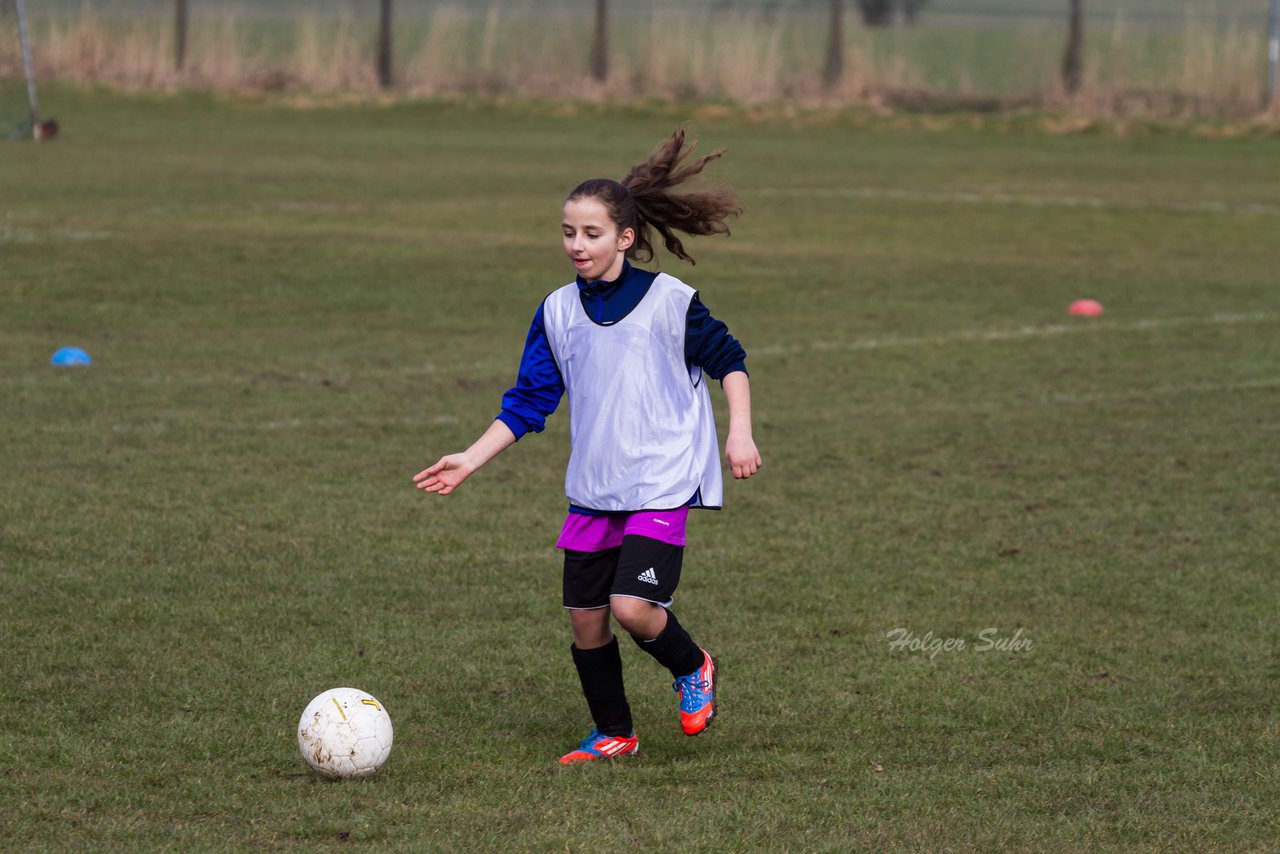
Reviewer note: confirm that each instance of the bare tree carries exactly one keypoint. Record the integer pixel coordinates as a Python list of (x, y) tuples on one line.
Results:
[(911, 10), (880, 13), (179, 33), (385, 76), (1072, 60), (876, 13), (600, 47), (835, 46)]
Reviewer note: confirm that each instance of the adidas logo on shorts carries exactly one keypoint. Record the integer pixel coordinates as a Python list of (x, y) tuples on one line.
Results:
[(648, 576)]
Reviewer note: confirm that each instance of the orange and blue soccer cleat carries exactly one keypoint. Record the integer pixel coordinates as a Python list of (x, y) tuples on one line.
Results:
[(601, 746), (697, 696)]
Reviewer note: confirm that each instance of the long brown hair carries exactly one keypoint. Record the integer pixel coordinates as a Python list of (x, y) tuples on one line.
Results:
[(644, 201)]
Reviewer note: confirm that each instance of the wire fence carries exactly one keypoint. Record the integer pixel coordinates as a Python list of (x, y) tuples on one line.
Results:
[(966, 13), (1162, 55)]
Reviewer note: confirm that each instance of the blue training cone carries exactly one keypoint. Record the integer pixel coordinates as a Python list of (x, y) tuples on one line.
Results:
[(71, 356)]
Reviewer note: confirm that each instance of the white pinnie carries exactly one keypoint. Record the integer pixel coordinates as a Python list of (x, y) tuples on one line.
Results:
[(344, 733)]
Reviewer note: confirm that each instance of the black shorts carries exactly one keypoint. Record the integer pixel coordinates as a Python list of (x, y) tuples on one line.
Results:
[(640, 568)]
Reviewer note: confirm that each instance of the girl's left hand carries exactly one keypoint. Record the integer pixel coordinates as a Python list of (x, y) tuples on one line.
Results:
[(742, 455)]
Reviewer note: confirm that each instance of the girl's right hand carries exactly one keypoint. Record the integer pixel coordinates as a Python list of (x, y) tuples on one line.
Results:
[(446, 475)]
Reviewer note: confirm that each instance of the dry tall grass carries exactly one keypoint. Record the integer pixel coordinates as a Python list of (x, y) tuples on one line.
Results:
[(673, 52), (1199, 68)]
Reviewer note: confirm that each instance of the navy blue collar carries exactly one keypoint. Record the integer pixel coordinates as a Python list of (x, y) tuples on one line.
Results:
[(608, 302), (603, 288)]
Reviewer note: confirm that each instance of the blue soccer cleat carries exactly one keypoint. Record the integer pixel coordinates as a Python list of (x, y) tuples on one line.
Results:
[(697, 696)]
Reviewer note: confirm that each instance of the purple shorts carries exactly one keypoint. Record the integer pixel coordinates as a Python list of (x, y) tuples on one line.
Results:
[(596, 533)]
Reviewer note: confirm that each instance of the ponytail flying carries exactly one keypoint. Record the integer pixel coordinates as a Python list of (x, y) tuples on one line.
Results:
[(644, 202)]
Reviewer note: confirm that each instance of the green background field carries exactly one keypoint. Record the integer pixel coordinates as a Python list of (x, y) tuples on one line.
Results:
[(294, 310)]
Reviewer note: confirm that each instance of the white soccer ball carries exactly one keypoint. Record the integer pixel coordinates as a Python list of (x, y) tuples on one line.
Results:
[(344, 733)]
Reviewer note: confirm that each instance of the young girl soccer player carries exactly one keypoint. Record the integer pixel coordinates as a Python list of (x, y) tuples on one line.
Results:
[(633, 350)]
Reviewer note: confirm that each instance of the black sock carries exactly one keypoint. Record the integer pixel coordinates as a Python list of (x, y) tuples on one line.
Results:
[(600, 670), (673, 648)]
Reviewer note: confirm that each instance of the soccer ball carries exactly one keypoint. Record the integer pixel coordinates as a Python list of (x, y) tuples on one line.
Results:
[(344, 733)]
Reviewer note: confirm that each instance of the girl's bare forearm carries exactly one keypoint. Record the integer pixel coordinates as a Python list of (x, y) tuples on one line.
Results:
[(492, 442), (737, 391)]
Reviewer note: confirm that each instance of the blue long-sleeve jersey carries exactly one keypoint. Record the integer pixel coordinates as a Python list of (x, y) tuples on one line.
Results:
[(539, 386)]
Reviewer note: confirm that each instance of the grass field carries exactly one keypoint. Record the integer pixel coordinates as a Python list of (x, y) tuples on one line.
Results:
[(294, 310)]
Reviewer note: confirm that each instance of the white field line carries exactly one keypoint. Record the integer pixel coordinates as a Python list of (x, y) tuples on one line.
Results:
[(154, 427), (963, 336), (1207, 206), (986, 336), (1165, 391), (1038, 402), (9, 234), (508, 364)]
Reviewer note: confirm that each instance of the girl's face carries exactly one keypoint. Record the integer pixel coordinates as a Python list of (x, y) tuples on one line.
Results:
[(592, 241)]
